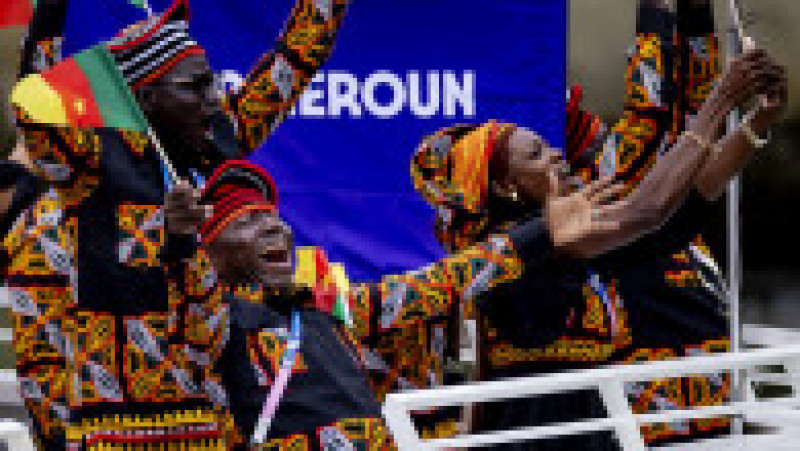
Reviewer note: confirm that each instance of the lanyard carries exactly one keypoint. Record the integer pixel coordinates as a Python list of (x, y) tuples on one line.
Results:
[(198, 179), (169, 182), (599, 288), (270, 405)]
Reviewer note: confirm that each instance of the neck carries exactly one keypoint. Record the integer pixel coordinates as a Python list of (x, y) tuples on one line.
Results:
[(503, 212)]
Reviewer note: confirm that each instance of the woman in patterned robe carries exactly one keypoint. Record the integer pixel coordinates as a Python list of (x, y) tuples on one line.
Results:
[(599, 313)]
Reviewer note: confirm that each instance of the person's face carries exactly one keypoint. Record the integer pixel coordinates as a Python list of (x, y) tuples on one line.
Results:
[(183, 101), (256, 247), (533, 169)]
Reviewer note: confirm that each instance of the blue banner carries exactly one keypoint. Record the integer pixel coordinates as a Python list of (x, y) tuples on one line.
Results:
[(401, 69)]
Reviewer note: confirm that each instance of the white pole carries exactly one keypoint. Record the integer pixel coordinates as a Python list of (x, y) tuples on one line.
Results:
[(148, 8), (162, 154), (735, 40)]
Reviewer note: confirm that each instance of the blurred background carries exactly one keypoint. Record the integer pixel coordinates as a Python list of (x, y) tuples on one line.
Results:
[(600, 33)]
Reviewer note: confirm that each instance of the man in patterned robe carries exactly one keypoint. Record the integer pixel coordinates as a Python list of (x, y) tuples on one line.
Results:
[(110, 350), (331, 400)]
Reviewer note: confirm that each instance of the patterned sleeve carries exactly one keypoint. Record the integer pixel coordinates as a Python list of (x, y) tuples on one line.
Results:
[(280, 76), (632, 146), (669, 76), (698, 59), (42, 46), (399, 301), (200, 320), (67, 158)]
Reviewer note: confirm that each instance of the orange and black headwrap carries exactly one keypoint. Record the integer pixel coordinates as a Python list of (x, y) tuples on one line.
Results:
[(146, 50), (451, 171), (235, 188)]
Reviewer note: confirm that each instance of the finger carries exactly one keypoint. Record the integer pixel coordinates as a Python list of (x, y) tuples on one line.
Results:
[(195, 195), (208, 211), (181, 187), (605, 226), (609, 193), (181, 192), (612, 210), (753, 54), (748, 44), (598, 185)]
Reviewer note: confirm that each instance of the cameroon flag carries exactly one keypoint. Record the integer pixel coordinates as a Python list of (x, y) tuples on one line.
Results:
[(14, 13), (86, 90), (313, 269)]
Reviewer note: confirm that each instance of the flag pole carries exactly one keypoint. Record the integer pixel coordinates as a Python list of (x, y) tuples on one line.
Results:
[(162, 154), (147, 8), (735, 42)]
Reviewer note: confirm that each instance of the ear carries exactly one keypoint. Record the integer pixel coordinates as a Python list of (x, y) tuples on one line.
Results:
[(501, 189)]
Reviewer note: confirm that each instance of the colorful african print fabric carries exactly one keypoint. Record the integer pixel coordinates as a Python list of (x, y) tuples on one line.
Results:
[(340, 376), (644, 303), (451, 171), (678, 312), (108, 325)]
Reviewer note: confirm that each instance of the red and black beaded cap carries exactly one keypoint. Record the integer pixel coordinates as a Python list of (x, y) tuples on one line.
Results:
[(146, 50), (235, 188), (583, 128)]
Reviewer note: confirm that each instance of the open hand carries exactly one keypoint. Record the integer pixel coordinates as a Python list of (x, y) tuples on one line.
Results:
[(578, 219)]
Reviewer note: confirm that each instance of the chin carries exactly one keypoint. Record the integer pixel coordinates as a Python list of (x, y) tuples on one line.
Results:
[(276, 282)]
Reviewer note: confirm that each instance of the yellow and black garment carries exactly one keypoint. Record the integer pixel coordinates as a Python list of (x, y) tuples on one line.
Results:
[(107, 343), (674, 304), (332, 401), (646, 301)]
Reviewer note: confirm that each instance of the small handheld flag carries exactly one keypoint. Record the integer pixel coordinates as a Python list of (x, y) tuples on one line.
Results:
[(86, 90)]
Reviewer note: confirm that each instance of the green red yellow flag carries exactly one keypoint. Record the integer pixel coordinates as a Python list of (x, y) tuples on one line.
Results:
[(16, 13), (86, 90), (313, 269)]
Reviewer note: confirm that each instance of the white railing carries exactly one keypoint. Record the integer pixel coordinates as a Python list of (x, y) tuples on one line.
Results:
[(16, 436), (778, 413), (610, 382), (13, 433)]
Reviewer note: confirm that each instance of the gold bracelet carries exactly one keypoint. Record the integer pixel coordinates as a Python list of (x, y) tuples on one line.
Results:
[(700, 141), (754, 140)]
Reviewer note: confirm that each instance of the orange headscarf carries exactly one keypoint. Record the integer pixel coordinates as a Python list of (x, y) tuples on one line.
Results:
[(451, 170)]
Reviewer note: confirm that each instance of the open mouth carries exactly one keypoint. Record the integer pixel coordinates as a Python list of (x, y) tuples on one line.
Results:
[(279, 261)]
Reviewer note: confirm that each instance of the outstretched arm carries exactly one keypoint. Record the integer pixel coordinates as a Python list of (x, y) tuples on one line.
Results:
[(281, 76), (568, 226), (736, 148), (677, 172)]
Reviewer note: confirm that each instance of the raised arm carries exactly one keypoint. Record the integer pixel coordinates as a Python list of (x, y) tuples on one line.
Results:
[(737, 147), (280, 77), (633, 142), (569, 226), (676, 173), (41, 48), (65, 158)]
